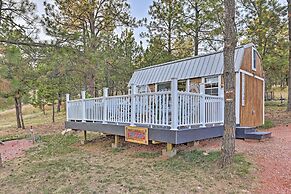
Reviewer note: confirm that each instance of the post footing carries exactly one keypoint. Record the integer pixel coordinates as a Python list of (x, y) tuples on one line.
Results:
[(116, 143), (169, 154), (170, 151)]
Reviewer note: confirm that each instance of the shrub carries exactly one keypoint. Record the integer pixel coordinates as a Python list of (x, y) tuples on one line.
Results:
[(268, 124)]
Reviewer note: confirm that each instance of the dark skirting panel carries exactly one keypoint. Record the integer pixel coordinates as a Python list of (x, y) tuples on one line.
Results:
[(158, 134)]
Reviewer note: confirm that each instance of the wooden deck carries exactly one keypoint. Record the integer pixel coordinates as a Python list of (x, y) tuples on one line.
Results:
[(170, 116)]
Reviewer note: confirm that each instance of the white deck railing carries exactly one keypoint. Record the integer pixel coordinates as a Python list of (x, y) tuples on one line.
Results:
[(171, 109)]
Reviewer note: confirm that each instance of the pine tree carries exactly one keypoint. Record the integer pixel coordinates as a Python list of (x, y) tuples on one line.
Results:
[(202, 22), (228, 142), (165, 22)]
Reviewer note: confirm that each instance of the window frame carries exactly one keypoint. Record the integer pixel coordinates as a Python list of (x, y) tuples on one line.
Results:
[(214, 85), (254, 59), (165, 84)]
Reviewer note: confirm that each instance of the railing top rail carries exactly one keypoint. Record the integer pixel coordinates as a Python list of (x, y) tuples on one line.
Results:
[(97, 98), (189, 93), (198, 94), (211, 96), (120, 96), (76, 100), (153, 93)]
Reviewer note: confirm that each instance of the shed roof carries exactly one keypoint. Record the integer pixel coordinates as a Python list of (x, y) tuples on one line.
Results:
[(198, 66)]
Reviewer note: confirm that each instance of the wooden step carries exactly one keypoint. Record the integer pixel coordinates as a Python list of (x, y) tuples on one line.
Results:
[(257, 135), (250, 133)]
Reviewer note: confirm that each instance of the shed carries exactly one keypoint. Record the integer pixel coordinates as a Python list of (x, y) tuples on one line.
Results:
[(207, 69)]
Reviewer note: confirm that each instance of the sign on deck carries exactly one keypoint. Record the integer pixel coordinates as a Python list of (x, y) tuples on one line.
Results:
[(136, 135)]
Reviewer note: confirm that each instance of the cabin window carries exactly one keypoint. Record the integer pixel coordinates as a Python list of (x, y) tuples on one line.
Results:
[(211, 86), (254, 59), (166, 86), (182, 85), (143, 89)]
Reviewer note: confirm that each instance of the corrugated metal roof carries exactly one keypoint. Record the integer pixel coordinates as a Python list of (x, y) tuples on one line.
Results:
[(198, 66)]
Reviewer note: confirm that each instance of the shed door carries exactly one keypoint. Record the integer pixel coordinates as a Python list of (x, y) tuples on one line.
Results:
[(251, 101)]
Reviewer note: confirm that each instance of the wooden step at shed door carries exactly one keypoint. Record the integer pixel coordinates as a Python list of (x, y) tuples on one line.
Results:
[(251, 133)]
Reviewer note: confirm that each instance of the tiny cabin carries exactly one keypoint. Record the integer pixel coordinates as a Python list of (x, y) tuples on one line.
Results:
[(176, 102), (207, 70)]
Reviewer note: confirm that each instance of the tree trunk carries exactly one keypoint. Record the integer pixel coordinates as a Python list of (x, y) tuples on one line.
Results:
[(53, 114), (59, 102), (228, 141), (20, 113), (289, 73), (92, 85), (17, 112), (196, 36), (43, 108), (196, 43)]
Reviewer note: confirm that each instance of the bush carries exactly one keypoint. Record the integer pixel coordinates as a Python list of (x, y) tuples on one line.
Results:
[(268, 124)]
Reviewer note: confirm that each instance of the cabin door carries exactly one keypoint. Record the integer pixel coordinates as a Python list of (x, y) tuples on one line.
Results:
[(251, 113)]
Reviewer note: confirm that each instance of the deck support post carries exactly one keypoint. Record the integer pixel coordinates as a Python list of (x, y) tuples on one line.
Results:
[(170, 151), (169, 147), (67, 106), (83, 95), (174, 104), (132, 95), (105, 95), (85, 136), (116, 143), (202, 104)]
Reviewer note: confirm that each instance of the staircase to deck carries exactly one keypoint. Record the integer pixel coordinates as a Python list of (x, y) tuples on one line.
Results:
[(251, 133)]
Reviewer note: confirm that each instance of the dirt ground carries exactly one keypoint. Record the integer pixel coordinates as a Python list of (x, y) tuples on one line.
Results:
[(12, 149), (273, 160), (271, 157)]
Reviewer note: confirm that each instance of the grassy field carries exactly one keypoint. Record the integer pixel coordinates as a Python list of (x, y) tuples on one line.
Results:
[(61, 164), (32, 117)]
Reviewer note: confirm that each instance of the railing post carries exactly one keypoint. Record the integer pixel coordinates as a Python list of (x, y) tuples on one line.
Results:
[(132, 96), (105, 95), (221, 94), (67, 106), (83, 95), (188, 85), (202, 104), (174, 104)]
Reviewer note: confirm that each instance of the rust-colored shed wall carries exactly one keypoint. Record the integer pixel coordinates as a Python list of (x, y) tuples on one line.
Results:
[(251, 114)]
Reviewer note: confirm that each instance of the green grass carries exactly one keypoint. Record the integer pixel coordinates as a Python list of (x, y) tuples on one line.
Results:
[(117, 150), (241, 165), (268, 124), (13, 137), (275, 103), (208, 161), (146, 154), (60, 165), (55, 145)]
